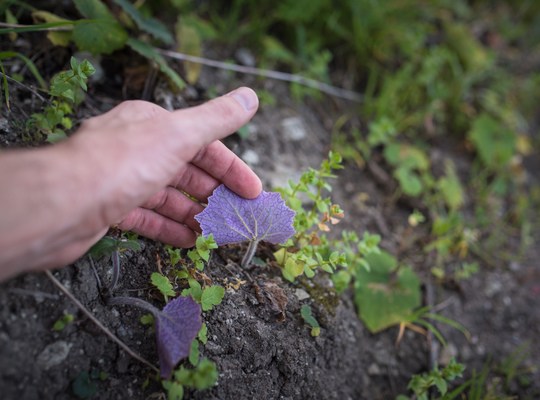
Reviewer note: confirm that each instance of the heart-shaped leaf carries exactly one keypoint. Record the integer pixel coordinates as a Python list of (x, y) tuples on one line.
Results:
[(176, 326), (233, 219)]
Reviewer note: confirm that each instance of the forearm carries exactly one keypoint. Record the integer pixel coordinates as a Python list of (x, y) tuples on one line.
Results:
[(48, 212)]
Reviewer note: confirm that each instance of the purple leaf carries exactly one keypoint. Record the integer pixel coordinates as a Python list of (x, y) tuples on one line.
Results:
[(232, 219), (176, 326)]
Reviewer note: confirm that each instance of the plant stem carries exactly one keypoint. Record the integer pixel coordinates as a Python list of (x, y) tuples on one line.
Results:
[(115, 271), (133, 301), (250, 252), (281, 76), (105, 330)]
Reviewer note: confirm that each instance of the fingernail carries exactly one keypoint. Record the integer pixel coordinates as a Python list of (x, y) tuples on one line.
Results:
[(245, 97)]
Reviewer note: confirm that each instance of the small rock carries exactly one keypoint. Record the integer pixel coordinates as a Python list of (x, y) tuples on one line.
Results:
[(447, 353), (301, 294), (493, 287), (53, 354), (251, 157), (245, 57), (515, 266), (374, 369), (4, 124), (293, 129)]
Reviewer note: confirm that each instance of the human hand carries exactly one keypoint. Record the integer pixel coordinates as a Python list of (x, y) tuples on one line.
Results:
[(128, 167), (158, 155)]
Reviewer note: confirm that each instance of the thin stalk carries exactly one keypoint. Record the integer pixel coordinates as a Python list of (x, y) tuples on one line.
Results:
[(133, 301), (116, 270), (49, 26), (250, 252), (267, 73), (105, 330)]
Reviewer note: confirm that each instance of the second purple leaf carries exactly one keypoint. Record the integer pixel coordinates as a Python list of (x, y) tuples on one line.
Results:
[(233, 219), (176, 327)]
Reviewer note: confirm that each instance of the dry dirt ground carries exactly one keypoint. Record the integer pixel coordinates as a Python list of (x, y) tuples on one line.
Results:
[(261, 352)]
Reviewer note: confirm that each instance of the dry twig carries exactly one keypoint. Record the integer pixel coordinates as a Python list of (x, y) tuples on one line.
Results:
[(105, 330), (267, 73)]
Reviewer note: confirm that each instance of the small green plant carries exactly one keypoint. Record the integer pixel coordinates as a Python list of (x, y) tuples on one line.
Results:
[(203, 376), (308, 317), (163, 284), (208, 297), (67, 90), (386, 293), (309, 249), (63, 321), (437, 378), (102, 31), (175, 255), (201, 253)]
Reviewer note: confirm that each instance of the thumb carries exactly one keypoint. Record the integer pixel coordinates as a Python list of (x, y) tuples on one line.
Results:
[(193, 128)]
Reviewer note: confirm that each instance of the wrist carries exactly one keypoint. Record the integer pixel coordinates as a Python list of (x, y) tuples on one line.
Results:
[(47, 210)]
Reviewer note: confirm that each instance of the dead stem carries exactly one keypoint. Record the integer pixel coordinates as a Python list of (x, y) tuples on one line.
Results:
[(267, 73), (105, 330)]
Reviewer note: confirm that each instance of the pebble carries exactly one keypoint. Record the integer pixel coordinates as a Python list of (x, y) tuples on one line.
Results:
[(374, 369), (301, 294), (245, 57), (251, 157), (294, 129), (447, 353), (53, 354), (4, 124), (493, 287)]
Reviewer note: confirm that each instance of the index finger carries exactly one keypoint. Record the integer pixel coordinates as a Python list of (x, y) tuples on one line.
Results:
[(215, 164)]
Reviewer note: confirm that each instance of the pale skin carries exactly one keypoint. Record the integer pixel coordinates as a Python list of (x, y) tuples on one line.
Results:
[(128, 168)]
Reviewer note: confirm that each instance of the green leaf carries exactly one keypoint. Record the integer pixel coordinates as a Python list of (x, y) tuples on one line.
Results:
[(5, 84), (174, 255), (107, 245), (151, 53), (409, 181), (341, 280), (243, 132), (293, 268), (206, 375), (189, 42), (93, 9), (99, 36), (404, 155), (62, 322), (195, 290), (147, 24), (305, 312), (57, 38), (494, 143), (56, 136), (163, 284), (212, 296), (147, 319), (83, 387), (441, 384), (175, 390), (129, 244), (451, 188), (194, 353), (203, 334), (385, 296)]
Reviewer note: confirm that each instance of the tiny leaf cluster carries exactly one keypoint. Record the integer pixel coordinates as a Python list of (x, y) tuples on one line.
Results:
[(67, 90)]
